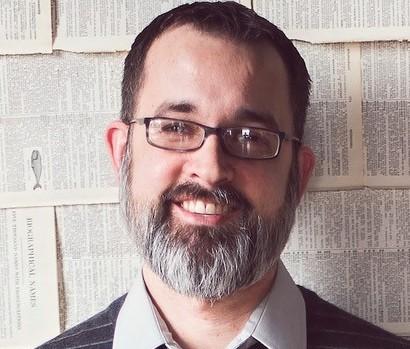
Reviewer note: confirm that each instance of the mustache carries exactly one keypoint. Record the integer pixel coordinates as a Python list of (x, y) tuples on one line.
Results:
[(224, 194)]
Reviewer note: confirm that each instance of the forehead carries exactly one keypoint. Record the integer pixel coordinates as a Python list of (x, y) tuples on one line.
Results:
[(215, 74)]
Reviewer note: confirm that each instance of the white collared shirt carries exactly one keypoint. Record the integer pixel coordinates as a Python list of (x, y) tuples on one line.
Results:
[(278, 322)]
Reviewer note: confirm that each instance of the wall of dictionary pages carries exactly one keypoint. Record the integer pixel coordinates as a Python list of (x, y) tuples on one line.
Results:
[(63, 247)]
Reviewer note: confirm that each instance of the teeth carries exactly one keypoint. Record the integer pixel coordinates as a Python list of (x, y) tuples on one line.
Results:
[(198, 206), (210, 209)]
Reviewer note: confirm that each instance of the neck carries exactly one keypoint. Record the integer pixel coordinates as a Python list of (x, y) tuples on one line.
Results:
[(200, 323)]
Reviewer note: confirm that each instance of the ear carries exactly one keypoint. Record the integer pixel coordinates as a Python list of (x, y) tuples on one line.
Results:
[(306, 162), (116, 136)]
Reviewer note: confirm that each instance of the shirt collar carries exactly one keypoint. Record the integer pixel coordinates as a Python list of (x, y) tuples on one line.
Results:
[(283, 321), (137, 326), (279, 322)]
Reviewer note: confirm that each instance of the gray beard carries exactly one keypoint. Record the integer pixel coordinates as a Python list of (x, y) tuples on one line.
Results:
[(207, 262)]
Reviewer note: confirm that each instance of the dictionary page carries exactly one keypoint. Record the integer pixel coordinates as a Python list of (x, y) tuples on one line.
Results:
[(319, 21), (105, 25), (386, 113), (352, 248), (333, 124), (53, 113), (25, 26), (28, 273), (97, 260)]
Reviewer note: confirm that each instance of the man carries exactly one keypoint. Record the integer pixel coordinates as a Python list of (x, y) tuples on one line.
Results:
[(211, 170)]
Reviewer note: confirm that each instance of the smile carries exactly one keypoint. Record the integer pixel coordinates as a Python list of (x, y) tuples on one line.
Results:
[(202, 207)]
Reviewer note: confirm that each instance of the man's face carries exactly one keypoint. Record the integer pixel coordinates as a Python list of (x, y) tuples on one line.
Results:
[(199, 77), (221, 80)]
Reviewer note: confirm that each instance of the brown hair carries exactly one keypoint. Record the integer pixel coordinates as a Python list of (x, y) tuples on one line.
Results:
[(228, 19)]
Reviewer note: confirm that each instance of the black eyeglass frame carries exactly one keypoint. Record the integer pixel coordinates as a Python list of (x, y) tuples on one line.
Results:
[(219, 132)]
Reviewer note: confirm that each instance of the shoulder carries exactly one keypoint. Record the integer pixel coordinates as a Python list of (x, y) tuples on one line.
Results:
[(96, 332), (331, 327)]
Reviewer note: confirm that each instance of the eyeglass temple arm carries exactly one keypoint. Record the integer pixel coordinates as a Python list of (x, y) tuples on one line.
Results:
[(137, 121), (292, 139)]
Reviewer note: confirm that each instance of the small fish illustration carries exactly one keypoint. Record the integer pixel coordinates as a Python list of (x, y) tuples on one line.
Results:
[(37, 167)]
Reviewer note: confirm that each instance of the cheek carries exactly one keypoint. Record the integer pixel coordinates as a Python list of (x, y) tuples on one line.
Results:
[(266, 187), (152, 173)]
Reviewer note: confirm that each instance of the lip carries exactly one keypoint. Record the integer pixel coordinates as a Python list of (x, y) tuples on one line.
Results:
[(199, 218)]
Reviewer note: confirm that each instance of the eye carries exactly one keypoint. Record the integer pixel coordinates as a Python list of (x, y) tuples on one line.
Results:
[(177, 127), (248, 136), (253, 138)]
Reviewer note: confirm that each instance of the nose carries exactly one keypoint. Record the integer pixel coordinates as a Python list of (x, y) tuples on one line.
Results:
[(209, 165)]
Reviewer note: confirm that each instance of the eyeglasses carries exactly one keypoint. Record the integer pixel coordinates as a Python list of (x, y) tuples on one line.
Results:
[(242, 142)]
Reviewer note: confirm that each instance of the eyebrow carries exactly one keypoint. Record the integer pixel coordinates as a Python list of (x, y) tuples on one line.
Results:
[(241, 115), (178, 107), (249, 115)]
